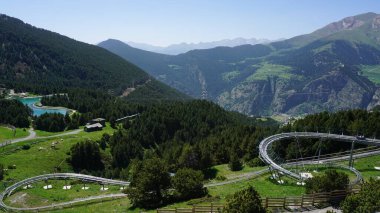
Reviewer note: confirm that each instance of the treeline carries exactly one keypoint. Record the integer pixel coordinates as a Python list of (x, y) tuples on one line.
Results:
[(93, 104), (56, 122), (195, 134), (85, 156), (52, 122), (13, 112), (349, 122)]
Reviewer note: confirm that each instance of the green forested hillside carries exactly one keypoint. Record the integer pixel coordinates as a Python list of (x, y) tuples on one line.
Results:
[(40, 61), (94, 104), (196, 135), (350, 122), (327, 69)]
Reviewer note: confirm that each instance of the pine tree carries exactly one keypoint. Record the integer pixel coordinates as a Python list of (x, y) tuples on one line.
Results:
[(245, 201)]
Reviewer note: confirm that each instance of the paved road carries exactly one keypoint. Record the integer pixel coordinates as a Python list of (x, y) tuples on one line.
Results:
[(266, 144), (74, 132), (33, 135)]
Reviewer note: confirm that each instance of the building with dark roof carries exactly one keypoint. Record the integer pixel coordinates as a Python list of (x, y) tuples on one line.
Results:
[(102, 121), (93, 127)]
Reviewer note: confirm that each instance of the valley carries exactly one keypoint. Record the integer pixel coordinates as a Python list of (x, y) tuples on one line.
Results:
[(232, 126), (305, 74)]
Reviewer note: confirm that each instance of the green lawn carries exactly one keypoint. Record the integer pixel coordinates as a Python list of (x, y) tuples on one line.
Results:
[(6, 133), (262, 184), (119, 205), (269, 70), (326, 47), (366, 166), (224, 170), (265, 187), (37, 196), (372, 72), (41, 158), (41, 133), (228, 76), (317, 170)]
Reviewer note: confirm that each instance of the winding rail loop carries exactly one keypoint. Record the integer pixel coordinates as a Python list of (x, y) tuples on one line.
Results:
[(88, 178), (265, 145)]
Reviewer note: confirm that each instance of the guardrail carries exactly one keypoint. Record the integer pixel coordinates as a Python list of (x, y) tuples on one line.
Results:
[(307, 200), (212, 208)]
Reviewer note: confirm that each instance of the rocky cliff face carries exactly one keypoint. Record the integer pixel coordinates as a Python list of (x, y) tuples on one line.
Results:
[(348, 23), (333, 91)]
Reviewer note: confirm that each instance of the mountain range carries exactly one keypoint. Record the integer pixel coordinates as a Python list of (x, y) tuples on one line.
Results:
[(333, 68), (40, 61), (176, 49)]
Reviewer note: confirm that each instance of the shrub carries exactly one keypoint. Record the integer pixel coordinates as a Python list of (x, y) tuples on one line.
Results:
[(220, 178), (1, 171), (150, 182), (330, 181), (188, 183), (26, 147), (247, 201), (366, 201), (256, 162), (235, 163), (12, 166)]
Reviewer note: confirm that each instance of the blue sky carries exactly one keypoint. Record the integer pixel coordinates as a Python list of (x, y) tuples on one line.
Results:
[(164, 22)]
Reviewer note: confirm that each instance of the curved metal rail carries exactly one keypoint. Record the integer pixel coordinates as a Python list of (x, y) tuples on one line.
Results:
[(263, 148), (88, 178), (265, 144)]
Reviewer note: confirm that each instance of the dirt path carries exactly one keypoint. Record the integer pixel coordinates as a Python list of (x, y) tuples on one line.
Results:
[(33, 135)]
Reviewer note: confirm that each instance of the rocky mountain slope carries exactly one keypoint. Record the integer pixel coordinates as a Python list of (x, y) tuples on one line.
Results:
[(336, 67), (37, 60)]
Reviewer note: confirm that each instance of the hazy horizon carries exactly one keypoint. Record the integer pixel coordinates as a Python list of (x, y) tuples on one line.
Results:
[(166, 22)]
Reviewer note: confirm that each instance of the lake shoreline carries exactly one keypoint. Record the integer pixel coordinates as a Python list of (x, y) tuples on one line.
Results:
[(70, 111), (34, 103)]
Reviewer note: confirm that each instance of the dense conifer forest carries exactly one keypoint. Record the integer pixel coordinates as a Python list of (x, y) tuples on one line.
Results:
[(39, 61), (14, 113), (349, 122)]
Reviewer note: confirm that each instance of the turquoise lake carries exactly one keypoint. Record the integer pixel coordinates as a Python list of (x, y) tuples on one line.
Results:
[(38, 111)]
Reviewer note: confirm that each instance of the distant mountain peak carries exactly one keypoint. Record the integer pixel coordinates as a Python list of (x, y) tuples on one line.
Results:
[(362, 28), (184, 47), (376, 22), (328, 69), (350, 23)]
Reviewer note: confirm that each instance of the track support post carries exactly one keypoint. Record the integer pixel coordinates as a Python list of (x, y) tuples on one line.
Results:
[(351, 162)]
